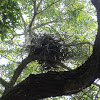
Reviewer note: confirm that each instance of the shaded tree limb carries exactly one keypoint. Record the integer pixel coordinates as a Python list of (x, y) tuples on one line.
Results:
[(18, 34), (56, 83), (1, 92), (3, 82), (18, 71), (20, 68)]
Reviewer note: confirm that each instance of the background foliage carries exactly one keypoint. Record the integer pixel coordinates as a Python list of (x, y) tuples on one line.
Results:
[(71, 20)]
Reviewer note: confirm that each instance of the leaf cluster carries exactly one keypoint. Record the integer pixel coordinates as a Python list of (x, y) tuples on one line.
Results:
[(10, 15)]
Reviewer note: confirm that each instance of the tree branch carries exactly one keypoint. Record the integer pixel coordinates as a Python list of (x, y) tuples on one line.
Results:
[(79, 44), (35, 12), (1, 92), (34, 2), (53, 83), (48, 6), (18, 34), (23, 21), (20, 68), (3, 82), (96, 3), (64, 66), (43, 24), (39, 4)]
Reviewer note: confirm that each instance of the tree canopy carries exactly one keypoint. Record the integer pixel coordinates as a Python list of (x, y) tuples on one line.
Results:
[(49, 48)]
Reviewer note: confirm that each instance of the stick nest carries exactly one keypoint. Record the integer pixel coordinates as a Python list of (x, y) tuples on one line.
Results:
[(51, 51)]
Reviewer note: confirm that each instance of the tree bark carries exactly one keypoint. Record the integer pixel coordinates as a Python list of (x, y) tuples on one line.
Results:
[(53, 83)]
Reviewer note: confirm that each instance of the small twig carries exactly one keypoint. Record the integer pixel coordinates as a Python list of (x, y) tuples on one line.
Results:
[(48, 6), (39, 4), (30, 25), (96, 96), (8, 59), (96, 84), (64, 66), (18, 34), (85, 93), (79, 44)]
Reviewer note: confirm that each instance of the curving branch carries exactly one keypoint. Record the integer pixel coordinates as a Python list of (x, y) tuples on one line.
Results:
[(97, 85), (49, 84), (20, 68)]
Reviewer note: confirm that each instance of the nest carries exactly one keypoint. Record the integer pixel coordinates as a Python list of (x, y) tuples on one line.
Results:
[(50, 50)]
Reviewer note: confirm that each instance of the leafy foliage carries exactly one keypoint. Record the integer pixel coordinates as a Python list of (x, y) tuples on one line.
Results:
[(69, 20), (10, 15)]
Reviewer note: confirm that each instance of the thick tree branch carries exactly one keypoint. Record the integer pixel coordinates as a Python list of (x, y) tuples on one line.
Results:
[(96, 48), (3, 82), (1, 92), (49, 84), (18, 71), (20, 68)]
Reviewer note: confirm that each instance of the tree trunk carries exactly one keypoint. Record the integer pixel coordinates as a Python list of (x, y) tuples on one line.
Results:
[(53, 83)]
